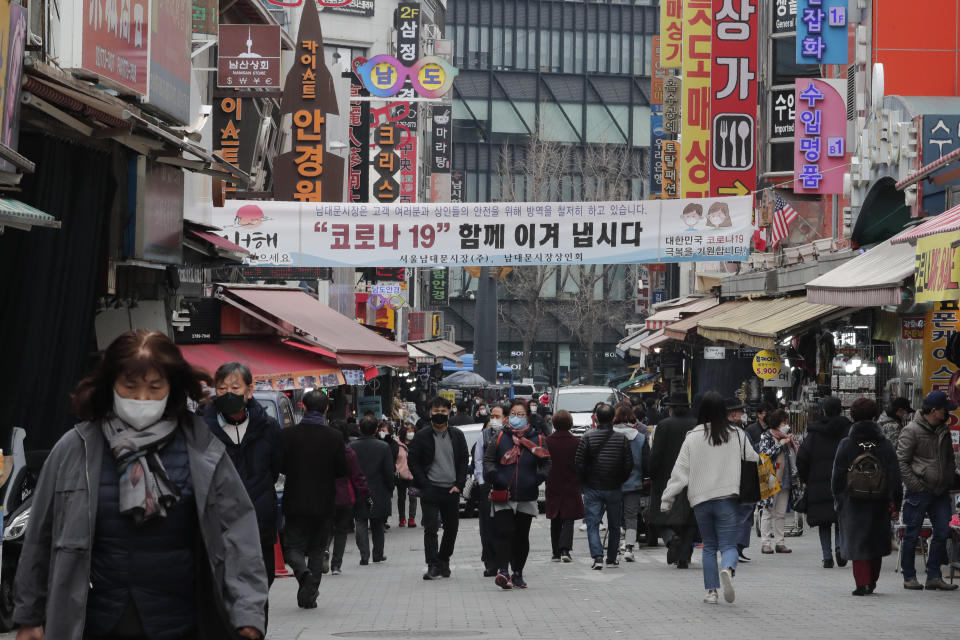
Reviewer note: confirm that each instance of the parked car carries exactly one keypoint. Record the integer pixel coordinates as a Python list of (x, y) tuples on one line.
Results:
[(280, 407), (580, 400), (524, 391)]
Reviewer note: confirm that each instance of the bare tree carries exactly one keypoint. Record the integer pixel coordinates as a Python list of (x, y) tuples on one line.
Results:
[(528, 308)]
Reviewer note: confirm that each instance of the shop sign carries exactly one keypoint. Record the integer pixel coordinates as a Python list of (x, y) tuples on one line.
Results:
[(937, 268), (819, 146), (385, 77), (159, 228), (670, 177), (439, 288), (358, 171), (11, 77), (236, 124), (784, 16), (941, 135), (822, 32), (672, 100), (911, 328), (308, 173), (408, 41), (387, 296), (642, 306), (766, 364), (783, 113), (714, 353), (354, 377), (249, 56), (116, 42), (170, 59), (361, 8), (386, 165), (441, 152), (659, 73), (495, 233), (733, 99), (656, 138), (782, 379), (296, 380), (205, 16), (671, 33), (938, 372), (398, 176), (457, 184), (695, 126)]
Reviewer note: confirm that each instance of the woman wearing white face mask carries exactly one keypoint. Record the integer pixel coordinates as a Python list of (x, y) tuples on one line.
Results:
[(142, 469), (404, 477)]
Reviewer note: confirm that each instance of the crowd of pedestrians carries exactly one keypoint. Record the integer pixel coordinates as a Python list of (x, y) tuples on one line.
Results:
[(112, 548)]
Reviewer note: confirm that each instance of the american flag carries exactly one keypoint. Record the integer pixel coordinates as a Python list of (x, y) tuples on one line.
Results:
[(783, 217)]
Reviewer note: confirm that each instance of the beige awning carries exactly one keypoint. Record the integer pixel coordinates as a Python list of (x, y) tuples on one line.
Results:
[(763, 323)]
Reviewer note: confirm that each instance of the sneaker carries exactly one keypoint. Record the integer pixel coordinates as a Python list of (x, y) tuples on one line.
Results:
[(597, 564), (583, 526), (335, 571), (444, 569), (912, 585), (628, 553), (503, 581), (431, 574), (611, 564), (554, 558), (711, 597), (386, 526), (565, 556), (726, 583), (489, 573), (782, 548), (380, 559), (828, 563), (402, 523), (740, 555), (939, 585), (623, 544), (411, 523), (518, 581), (325, 565)]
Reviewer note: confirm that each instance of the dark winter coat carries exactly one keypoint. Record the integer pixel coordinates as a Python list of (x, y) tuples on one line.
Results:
[(754, 431), (313, 459), (564, 494), (258, 459), (927, 461), (815, 467), (521, 479), (667, 441), (865, 523), (376, 462), (603, 459), (423, 448)]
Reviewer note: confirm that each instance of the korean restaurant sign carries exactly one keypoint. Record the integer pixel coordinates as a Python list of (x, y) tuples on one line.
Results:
[(671, 33), (938, 372), (495, 234), (821, 132), (441, 153), (116, 42), (695, 127), (941, 135), (733, 98), (911, 328), (822, 32), (937, 268), (249, 56)]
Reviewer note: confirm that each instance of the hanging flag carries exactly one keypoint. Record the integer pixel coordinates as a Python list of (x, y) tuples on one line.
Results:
[(783, 217), (759, 238)]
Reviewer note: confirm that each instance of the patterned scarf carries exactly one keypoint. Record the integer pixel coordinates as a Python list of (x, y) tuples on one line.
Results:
[(519, 440), (145, 489), (779, 435)]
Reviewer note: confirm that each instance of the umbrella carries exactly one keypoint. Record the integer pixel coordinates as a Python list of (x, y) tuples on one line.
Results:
[(465, 379)]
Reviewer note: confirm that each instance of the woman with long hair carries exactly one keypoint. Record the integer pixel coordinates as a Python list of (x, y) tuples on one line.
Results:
[(405, 478), (709, 468)]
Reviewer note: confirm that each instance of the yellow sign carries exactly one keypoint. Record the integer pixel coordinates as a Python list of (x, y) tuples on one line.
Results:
[(695, 121), (671, 33), (937, 269), (383, 76), (940, 324), (449, 395), (766, 364), (432, 76)]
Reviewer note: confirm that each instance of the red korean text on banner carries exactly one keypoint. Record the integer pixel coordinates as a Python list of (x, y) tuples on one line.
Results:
[(695, 126), (671, 33)]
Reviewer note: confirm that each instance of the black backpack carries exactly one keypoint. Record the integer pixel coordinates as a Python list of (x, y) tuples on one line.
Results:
[(866, 476)]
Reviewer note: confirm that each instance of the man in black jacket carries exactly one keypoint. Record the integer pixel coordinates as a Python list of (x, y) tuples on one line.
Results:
[(438, 460), (604, 462), (313, 459), (377, 465)]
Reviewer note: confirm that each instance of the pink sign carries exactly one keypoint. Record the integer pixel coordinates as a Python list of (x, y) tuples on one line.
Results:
[(820, 142)]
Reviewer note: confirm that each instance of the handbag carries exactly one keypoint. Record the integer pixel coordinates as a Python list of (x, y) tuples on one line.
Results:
[(499, 495), (749, 478), (800, 504)]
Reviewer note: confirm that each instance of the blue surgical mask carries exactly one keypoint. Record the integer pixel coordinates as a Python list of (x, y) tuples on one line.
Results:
[(518, 422)]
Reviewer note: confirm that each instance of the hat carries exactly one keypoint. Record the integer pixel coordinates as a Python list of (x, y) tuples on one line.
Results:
[(939, 400), (733, 404), (677, 400), (900, 403)]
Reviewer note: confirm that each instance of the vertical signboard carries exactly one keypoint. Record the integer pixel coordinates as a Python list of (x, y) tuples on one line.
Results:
[(822, 32), (409, 163), (642, 302), (658, 72), (783, 113), (116, 42), (358, 172), (408, 40), (733, 97), (12, 79), (939, 325), (236, 123), (672, 113), (457, 183), (784, 16), (440, 153), (170, 35), (671, 164), (671, 33), (205, 16), (249, 56), (820, 142), (439, 293), (695, 127), (656, 138), (385, 163)]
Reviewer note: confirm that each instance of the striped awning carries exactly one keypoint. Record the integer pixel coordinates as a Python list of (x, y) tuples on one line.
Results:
[(650, 342), (624, 345), (763, 323), (947, 221), (680, 330), (19, 215), (667, 316), (872, 279)]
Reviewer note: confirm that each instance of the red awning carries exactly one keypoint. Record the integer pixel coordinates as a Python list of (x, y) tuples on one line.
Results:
[(947, 221), (217, 241), (928, 169), (349, 342), (273, 365)]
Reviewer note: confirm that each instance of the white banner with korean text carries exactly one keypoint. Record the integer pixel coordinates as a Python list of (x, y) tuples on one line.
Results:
[(494, 234)]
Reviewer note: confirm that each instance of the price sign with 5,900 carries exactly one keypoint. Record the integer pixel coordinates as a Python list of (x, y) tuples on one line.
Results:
[(766, 364)]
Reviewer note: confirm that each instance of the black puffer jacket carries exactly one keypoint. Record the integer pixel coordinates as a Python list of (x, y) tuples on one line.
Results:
[(815, 466), (603, 460), (258, 460)]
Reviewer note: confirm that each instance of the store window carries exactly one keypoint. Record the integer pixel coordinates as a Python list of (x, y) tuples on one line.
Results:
[(785, 67)]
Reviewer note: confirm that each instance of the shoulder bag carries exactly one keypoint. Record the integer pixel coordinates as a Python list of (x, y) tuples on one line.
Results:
[(749, 477)]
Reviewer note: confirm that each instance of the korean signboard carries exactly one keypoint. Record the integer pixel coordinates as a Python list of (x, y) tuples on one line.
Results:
[(489, 234), (656, 138), (733, 106), (439, 292), (171, 32), (308, 173), (938, 372), (783, 113), (12, 79), (671, 168), (441, 152), (941, 135), (911, 328), (358, 171), (402, 118), (236, 123), (159, 228), (695, 127), (363, 8), (672, 98), (822, 32), (671, 33), (784, 16), (249, 56), (642, 303), (937, 270), (408, 41), (116, 41), (659, 73), (384, 76), (385, 165), (457, 185), (205, 15), (820, 141)]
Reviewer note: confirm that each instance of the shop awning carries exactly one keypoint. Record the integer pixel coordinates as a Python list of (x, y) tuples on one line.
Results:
[(679, 330), (442, 349), (669, 315), (299, 315), (762, 323), (201, 238), (624, 345), (273, 364), (929, 169), (872, 279), (19, 215), (650, 342), (422, 357), (947, 221)]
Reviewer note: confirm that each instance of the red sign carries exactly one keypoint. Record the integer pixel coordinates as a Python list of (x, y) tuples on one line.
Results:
[(733, 96), (249, 56), (116, 41)]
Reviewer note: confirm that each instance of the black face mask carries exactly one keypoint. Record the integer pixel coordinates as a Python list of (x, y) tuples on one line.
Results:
[(438, 419), (229, 404)]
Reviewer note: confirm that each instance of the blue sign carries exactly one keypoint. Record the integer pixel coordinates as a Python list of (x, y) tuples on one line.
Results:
[(822, 32), (659, 295), (656, 149), (941, 135)]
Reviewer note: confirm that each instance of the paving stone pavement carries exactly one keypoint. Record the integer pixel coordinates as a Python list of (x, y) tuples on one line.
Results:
[(781, 596)]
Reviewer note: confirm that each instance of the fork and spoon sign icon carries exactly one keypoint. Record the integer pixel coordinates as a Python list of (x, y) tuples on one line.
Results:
[(734, 136)]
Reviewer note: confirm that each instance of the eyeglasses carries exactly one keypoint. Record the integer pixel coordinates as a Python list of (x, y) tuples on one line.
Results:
[(518, 415), (384, 75)]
